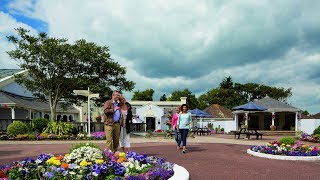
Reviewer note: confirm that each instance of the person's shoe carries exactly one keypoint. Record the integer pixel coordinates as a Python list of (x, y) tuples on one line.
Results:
[(178, 147), (184, 151)]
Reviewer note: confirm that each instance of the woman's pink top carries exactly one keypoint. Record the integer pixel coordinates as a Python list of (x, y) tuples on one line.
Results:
[(174, 120)]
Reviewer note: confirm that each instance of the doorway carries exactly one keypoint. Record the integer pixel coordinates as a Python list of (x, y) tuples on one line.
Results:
[(151, 123)]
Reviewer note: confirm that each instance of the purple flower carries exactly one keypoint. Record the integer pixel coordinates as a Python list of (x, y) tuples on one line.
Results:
[(48, 175)]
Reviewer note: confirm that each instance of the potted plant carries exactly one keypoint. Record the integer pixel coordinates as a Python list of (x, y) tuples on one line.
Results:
[(273, 127)]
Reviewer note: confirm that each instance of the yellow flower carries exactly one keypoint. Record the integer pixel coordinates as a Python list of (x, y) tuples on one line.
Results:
[(56, 162), (99, 161), (283, 144), (288, 145), (83, 163), (268, 144), (66, 155), (122, 154), (50, 161)]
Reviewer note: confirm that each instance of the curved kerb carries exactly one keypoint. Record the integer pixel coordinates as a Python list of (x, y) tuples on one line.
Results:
[(180, 173), (287, 158)]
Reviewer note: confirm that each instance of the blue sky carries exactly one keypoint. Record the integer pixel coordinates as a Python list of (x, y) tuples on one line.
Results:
[(172, 45)]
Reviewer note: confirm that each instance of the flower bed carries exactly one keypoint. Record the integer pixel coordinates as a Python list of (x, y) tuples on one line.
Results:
[(296, 149), (86, 162), (310, 138)]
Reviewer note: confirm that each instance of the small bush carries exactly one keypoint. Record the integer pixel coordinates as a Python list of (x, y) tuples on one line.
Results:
[(17, 127), (38, 124), (317, 136), (79, 145), (287, 140), (316, 131), (32, 137), (22, 136), (58, 128), (222, 129)]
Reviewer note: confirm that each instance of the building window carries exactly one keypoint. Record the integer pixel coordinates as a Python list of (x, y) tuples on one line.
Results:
[(71, 118), (65, 118), (58, 117), (46, 116)]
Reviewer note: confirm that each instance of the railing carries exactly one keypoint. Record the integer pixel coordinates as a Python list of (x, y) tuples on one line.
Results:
[(80, 126), (4, 123)]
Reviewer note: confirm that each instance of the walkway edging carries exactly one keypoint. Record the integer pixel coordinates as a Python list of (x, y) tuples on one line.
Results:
[(180, 173), (286, 158)]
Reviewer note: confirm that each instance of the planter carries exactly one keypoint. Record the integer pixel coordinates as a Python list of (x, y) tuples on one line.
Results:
[(180, 173), (287, 158)]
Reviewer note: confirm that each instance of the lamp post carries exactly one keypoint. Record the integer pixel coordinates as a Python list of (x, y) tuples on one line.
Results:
[(89, 95)]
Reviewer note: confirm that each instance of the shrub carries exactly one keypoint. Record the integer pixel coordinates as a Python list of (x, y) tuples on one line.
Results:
[(17, 127), (22, 136), (79, 145), (316, 131), (32, 137), (287, 140), (222, 129), (38, 124), (317, 136), (58, 128)]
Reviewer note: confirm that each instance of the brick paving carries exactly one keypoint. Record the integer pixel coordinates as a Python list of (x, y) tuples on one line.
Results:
[(208, 157)]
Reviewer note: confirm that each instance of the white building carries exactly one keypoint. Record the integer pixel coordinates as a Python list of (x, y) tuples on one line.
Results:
[(154, 113)]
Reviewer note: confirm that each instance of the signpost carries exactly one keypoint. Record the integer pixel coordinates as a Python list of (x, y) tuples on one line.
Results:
[(89, 95)]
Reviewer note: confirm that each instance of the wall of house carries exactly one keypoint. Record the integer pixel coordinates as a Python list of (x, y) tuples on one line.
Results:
[(308, 125), (228, 125)]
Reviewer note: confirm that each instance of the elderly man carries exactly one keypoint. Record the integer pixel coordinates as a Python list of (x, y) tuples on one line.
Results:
[(112, 115)]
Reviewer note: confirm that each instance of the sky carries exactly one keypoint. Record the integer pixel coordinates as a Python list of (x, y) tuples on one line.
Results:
[(172, 45)]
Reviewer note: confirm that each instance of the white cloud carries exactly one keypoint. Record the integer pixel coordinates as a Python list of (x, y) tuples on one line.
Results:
[(7, 26), (194, 44)]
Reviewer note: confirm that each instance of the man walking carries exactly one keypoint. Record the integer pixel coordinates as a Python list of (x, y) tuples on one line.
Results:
[(112, 115)]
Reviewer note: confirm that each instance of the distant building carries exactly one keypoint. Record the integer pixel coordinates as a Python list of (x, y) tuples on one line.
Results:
[(154, 113), (18, 103)]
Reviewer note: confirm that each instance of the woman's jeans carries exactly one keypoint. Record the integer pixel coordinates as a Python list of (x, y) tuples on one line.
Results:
[(176, 137), (184, 134)]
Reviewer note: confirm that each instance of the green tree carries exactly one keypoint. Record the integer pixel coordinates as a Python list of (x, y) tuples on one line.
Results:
[(191, 98), (163, 97), (305, 112), (56, 67), (231, 94), (146, 95)]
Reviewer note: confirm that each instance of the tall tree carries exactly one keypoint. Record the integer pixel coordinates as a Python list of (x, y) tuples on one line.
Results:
[(191, 98), (56, 68), (231, 94), (146, 95), (163, 97)]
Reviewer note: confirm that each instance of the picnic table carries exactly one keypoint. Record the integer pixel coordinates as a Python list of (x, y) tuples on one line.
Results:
[(203, 131), (248, 132)]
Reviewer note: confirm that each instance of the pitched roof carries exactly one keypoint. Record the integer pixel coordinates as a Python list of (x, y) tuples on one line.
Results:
[(275, 105), (317, 116), (218, 111), (30, 103), (15, 88), (8, 72)]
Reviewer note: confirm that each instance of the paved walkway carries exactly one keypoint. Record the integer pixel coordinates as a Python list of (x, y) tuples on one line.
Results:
[(208, 157)]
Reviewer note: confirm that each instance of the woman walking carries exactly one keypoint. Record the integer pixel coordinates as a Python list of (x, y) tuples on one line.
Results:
[(126, 112), (175, 128), (184, 121)]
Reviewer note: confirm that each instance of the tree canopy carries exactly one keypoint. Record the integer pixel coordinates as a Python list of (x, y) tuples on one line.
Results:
[(191, 98), (56, 68), (231, 94), (163, 97), (146, 95)]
